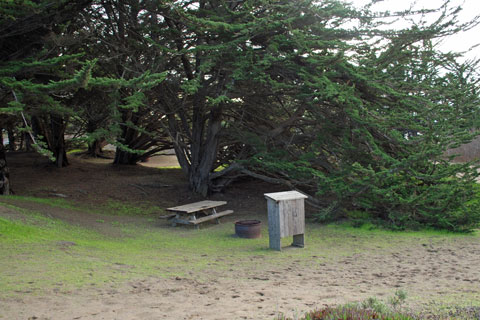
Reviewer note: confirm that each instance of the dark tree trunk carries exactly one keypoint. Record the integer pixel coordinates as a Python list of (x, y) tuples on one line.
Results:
[(11, 139), (205, 159), (195, 144), (124, 157), (204, 149), (52, 129), (4, 175), (59, 149), (135, 140), (95, 148), (61, 156), (128, 135), (27, 141)]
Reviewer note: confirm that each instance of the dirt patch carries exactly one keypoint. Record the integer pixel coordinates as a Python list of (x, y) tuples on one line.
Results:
[(94, 182)]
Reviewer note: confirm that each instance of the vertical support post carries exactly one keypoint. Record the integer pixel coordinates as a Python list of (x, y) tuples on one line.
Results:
[(274, 225), (298, 240), (175, 219)]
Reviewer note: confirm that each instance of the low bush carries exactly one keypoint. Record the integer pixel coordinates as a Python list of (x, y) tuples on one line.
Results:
[(353, 313), (371, 308)]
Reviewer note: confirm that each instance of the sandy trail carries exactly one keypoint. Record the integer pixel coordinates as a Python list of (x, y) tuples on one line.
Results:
[(427, 271)]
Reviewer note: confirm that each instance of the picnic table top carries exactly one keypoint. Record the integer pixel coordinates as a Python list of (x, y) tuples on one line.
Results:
[(197, 206)]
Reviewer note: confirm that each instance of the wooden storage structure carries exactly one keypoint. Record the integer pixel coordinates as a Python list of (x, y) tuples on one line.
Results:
[(286, 217)]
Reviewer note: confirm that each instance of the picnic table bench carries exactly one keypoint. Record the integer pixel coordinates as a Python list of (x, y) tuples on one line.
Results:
[(187, 214)]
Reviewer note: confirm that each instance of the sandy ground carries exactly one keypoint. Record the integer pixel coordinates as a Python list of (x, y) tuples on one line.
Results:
[(444, 269), (426, 272)]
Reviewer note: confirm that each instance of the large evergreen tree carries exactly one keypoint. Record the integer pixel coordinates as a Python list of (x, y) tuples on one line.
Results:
[(43, 81), (123, 37), (359, 126), (35, 71), (291, 93)]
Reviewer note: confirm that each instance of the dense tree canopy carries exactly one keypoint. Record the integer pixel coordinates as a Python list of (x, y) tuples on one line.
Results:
[(317, 96)]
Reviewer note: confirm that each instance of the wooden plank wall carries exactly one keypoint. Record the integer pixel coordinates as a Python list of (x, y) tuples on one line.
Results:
[(292, 217)]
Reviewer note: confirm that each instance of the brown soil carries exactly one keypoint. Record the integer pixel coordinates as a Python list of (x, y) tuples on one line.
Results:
[(96, 181), (426, 270)]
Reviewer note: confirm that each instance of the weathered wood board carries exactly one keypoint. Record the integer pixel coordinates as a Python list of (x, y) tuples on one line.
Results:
[(292, 217), (211, 217), (197, 206), (285, 195)]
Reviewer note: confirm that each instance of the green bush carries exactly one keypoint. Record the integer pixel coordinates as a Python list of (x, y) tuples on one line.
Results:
[(405, 196), (353, 313), (371, 308)]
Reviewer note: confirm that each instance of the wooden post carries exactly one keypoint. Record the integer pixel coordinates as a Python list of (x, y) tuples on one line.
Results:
[(286, 217), (274, 224)]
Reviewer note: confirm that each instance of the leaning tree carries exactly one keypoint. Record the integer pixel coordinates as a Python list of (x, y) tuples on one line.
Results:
[(363, 126), (325, 99)]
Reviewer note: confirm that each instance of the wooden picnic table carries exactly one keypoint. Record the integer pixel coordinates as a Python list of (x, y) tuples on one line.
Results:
[(187, 214)]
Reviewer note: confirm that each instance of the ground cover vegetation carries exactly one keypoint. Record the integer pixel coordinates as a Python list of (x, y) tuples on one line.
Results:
[(317, 96), (111, 250)]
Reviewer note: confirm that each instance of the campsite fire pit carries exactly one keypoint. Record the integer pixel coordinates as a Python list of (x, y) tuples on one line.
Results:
[(249, 229)]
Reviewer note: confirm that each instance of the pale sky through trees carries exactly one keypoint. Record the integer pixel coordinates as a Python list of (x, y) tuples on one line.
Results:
[(457, 43)]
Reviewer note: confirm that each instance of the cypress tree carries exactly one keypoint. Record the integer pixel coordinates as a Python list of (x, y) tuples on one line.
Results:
[(361, 127), (32, 71)]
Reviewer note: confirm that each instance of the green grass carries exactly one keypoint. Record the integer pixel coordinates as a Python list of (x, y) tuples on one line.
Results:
[(169, 168), (110, 207), (33, 250), (78, 150), (54, 202), (126, 209), (36, 252)]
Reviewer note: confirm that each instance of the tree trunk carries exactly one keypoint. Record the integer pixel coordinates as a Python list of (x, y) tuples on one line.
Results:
[(204, 155), (199, 181), (4, 175), (59, 151), (128, 135), (124, 157), (11, 139), (26, 141), (52, 129), (95, 148)]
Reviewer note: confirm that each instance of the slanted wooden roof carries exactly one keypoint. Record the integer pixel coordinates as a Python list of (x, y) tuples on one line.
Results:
[(285, 195)]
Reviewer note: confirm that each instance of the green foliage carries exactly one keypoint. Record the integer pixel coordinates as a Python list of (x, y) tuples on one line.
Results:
[(354, 313), (363, 127), (371, 308), (440, 200)]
